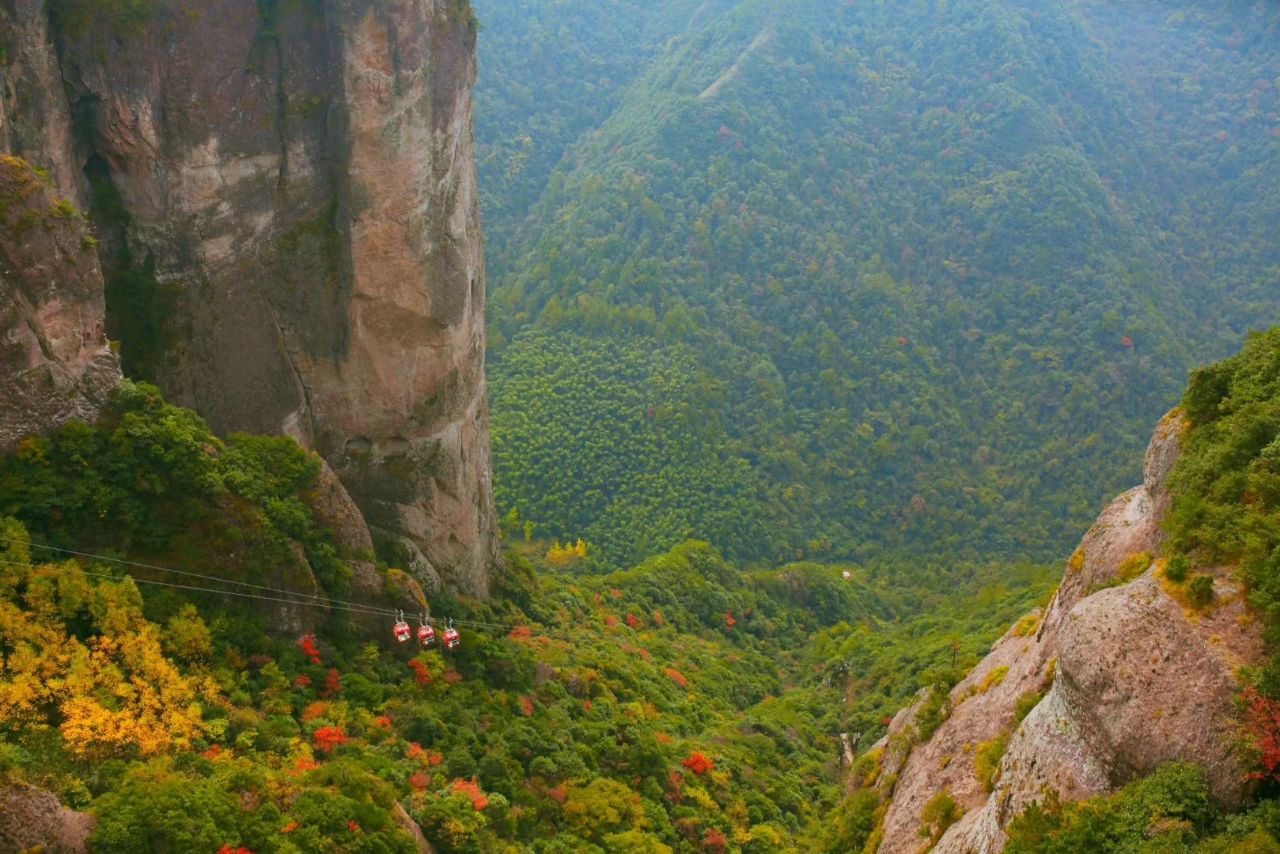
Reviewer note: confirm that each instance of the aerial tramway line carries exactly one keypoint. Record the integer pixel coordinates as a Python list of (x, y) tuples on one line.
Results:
[(449, 638)]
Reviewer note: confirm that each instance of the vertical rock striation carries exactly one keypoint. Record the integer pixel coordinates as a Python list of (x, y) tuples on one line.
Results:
[(284, 191), (55, 364)]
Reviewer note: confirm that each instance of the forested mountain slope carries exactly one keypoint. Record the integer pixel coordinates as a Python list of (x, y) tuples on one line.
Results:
[(918, 275)]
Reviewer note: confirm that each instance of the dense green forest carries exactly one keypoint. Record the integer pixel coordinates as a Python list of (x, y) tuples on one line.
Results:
[(686, 704), (676, 706), (919, 276)]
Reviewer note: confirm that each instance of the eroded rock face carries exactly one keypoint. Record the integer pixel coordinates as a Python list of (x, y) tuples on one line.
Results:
[(32, 819), (285, 195), (55, 363), (1134, 679)]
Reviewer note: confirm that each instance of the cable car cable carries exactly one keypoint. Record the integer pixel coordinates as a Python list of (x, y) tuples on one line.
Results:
[(312, 596)]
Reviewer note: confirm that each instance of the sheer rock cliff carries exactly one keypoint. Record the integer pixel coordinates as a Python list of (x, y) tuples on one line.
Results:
[(283, 194)]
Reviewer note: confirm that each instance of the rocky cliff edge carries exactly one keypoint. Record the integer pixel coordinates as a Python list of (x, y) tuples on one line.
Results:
[(1120, 673)]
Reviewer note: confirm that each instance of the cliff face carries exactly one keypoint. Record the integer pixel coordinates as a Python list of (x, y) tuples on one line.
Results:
[(285, 195), (55, 364), (1127, 678)]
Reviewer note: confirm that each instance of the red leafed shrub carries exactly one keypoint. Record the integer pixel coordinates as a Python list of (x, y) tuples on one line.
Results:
[(663, 738), (729, 621), (419, 781), (332, 683), (520, 633), (303, 681), (677, 677), (633, 621), (586, 705), (416, 751), (714, 842), (309, 648), (382, 722), (290, 827), (526, 706), (227, 849), (329, 738), (658, 619), (434, 758), (610, 621), (471, 789), (453, 677), (353, 826), (421, 674), (559, 793), (698, 764), (212, 753), (1262, 726)]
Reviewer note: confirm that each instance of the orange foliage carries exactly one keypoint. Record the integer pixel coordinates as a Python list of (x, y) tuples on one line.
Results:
[(419, 781), (526, 706), (677, 677), (329, 738), (714, 842), (632, 621), (318, 709), (698, 764), (421, 674), (471, 789)]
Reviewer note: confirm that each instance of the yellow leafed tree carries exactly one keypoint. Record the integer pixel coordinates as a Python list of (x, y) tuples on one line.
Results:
[(114, 694)]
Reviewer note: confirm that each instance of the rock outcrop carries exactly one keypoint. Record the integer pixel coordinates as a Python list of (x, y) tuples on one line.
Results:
[(290, 235), (1124, 677), (32, 819), (55, 363)]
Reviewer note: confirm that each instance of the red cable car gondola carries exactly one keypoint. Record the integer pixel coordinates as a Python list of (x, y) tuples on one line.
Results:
[(451, 637), (402, 630), (426, 633)]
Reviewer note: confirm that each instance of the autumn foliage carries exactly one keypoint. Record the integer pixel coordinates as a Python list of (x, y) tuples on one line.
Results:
[(471, 789), (309, 649), (1262, 727), (698, 764), (677, 677), (329, 738)]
